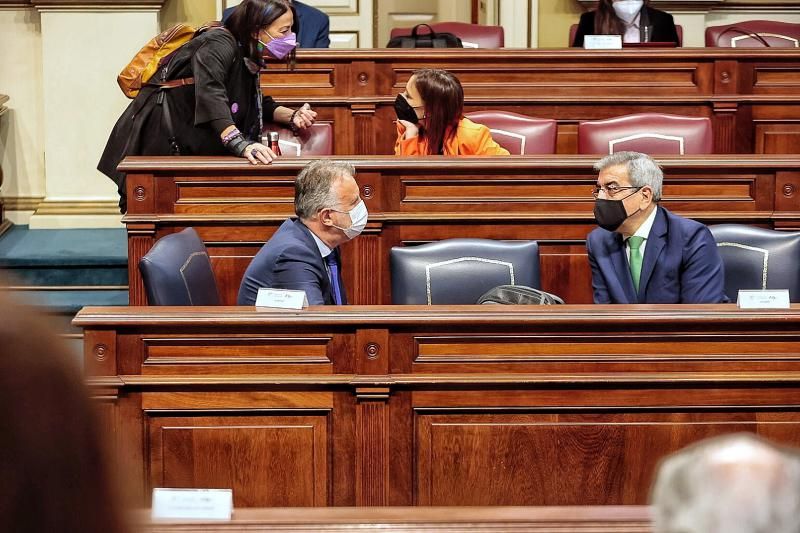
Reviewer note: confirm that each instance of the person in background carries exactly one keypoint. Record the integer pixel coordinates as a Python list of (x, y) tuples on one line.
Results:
[(430, 119), (735, 483), (54, 472), (311, 25), (636, 21), (642, 253), (304, 253), (222, 109)]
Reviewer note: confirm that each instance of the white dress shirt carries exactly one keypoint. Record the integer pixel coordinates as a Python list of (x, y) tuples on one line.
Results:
[(643, 231)]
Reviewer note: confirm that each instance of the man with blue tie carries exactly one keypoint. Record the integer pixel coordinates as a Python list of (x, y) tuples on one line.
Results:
[(303, 254), (642, 253)]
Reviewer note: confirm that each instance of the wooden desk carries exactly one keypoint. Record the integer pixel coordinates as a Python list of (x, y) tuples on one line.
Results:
[(236, 206), (586, 519), (751, 95), (562, 405)]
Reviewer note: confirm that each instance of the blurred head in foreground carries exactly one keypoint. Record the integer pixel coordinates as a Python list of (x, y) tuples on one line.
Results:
[(735, 483), (53, 473)]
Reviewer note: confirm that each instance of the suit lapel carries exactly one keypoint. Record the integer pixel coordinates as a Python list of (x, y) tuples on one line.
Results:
[(325, 286), (655, 243), (621, 268)]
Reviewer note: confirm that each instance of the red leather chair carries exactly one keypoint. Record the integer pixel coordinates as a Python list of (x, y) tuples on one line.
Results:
[(573, 30), (519, 134), (743, 34), (650, 133), (316, 140), (471, 35)]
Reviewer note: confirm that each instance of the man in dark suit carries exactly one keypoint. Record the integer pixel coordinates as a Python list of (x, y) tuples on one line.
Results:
[(642, 253), (312, 25), (303, 254)]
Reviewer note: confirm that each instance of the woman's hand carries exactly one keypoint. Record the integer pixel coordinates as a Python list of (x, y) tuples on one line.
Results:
[(304, 117), (258, 153), (411, 129)]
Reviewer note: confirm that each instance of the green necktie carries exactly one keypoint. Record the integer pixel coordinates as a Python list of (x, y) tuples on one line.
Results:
[(636, 259)]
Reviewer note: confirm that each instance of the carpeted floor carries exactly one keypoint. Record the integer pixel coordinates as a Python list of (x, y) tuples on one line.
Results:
[(21, 246)]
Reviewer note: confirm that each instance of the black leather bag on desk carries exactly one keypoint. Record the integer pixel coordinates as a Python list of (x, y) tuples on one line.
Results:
[(425, 40), (518, 295)]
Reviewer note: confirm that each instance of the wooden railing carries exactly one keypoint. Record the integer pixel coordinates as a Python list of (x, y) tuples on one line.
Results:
[(583, 519)]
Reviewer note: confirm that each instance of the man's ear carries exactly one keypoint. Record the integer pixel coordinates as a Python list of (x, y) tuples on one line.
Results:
[(647, 192), (324, 216)]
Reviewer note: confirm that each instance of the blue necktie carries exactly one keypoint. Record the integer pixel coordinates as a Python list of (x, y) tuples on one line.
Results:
[(333, 269)]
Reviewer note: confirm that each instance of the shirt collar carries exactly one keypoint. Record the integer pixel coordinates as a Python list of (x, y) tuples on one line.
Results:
[(647, 225), (324, 249)]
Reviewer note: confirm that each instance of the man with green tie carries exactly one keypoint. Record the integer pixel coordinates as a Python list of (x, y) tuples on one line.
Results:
[(642, 253)]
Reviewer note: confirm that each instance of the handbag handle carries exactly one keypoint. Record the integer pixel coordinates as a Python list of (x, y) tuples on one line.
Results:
[(430, 33)]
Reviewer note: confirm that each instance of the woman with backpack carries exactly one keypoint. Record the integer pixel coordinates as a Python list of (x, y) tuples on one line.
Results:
[(206, 98), (430, 119)]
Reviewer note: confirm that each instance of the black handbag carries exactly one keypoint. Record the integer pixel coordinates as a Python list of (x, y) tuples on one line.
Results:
[(425, 40)]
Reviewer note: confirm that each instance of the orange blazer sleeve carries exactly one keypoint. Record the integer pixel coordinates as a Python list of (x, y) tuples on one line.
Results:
[(485, 145), (406, 146)]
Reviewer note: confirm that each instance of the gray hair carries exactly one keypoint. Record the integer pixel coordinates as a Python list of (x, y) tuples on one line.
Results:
[(643, 171), (731, 484), (313, 187)]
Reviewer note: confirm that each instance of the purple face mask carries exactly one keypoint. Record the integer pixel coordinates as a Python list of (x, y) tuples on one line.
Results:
[(280, 47)]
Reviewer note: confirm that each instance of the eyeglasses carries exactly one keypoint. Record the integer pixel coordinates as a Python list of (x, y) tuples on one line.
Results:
[(611, 190)]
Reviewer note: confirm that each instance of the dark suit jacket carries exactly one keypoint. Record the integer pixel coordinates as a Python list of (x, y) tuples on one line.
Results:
[(290, 260), (663, 26), (681, 264), (312, 25)]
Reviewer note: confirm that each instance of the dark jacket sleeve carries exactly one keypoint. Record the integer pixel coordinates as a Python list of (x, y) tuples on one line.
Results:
[(703, 275), (295, 269), (585, 27), (323, 37), (664, 30), (268, 107), (599, 288), (210, 66)]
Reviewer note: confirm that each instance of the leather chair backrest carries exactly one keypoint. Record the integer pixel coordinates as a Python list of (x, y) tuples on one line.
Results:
[(573, 31), (471, 35), (316, 140), (758, 258), (177, 271), (739, 34), (649, 133), (519, 134), (459, 271)]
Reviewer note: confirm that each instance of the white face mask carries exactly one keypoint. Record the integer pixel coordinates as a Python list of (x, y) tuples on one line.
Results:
[(627, 9), (358, 220)]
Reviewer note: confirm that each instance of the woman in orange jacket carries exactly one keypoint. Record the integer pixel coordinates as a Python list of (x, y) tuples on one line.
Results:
[(430, 119)]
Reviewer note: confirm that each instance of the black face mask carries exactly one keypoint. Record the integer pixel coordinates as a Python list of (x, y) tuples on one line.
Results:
[(610, 214), (404, 110)]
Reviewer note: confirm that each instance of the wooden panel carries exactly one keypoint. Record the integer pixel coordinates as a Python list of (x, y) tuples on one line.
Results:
[(777, 138), (266, 460), (199, 355), (435, 405), (509, 459), (553, 353), (772, 78)]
